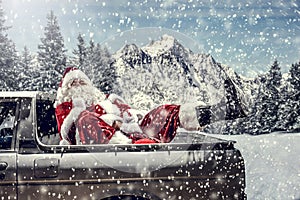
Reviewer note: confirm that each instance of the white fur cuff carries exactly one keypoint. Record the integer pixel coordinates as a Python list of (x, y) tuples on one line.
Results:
[(120, 138), (188, 116), (110, 118), (109, 107), (64, 142)]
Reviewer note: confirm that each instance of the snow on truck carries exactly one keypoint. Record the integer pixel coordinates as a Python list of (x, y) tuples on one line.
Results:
[(34, 166)]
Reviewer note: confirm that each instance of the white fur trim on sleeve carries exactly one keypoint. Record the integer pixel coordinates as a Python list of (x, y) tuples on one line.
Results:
[(110, 108), (110, 118), (113, 97), (119, 138), (64, 142), (188, 117), (59, 97)]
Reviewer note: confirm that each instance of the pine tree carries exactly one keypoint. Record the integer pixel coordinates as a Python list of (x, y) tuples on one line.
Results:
[(27, 71), (265, 112), (51, 55), (106, 76), (24, 75), (96, 62), (295, 82), (289, 112), (9, 59), (81, 52), (295, 79), (88, 64)]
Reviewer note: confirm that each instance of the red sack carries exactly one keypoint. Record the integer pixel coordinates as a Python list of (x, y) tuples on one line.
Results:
[(161, 123)]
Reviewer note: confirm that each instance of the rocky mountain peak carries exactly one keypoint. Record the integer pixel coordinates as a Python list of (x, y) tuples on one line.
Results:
[(165, 44), (129, 48), (166, 71)]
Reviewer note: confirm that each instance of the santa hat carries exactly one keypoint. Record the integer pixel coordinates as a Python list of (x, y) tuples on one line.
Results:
[(69, 75), (72, 73)]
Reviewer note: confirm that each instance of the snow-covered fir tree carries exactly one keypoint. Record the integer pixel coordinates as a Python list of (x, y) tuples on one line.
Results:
[(289, 110), (295, 95), (80, 53), (106, 75), (88, 57), (96, 62), (9, 59), (51, 55), (264, 114), (26, 71)]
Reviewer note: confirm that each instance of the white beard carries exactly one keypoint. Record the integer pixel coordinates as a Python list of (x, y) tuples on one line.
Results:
[(90, 94)]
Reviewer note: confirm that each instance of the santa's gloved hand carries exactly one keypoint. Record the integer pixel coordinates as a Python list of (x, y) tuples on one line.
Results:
[(78, 102)]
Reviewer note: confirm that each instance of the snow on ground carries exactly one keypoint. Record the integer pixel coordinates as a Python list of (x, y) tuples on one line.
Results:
[(272, 165)]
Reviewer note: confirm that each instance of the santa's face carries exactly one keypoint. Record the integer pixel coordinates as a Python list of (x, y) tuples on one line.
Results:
[(78, 88), (76, 82)]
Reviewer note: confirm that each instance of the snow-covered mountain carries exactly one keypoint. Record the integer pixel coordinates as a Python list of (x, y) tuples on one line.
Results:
[(164, 71)]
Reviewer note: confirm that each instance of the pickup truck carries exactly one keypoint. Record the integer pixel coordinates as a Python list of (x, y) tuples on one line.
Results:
[(34, 166)]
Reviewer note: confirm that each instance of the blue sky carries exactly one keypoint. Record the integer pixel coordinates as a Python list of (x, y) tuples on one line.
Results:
[(245, 35)]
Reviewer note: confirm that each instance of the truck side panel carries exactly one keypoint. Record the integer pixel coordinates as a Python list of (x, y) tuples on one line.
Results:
[(8, 176), (155, 175)]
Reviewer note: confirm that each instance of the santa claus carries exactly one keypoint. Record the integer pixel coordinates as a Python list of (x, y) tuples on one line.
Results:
[(85, 115)]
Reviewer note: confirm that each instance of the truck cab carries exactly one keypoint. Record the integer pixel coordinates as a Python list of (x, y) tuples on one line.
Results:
[(34, 166)]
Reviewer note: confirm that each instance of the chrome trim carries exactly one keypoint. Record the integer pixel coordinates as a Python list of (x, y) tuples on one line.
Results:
[(106, 180)]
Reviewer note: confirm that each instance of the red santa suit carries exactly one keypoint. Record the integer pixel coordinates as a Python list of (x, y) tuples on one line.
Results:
[(89, 118)]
